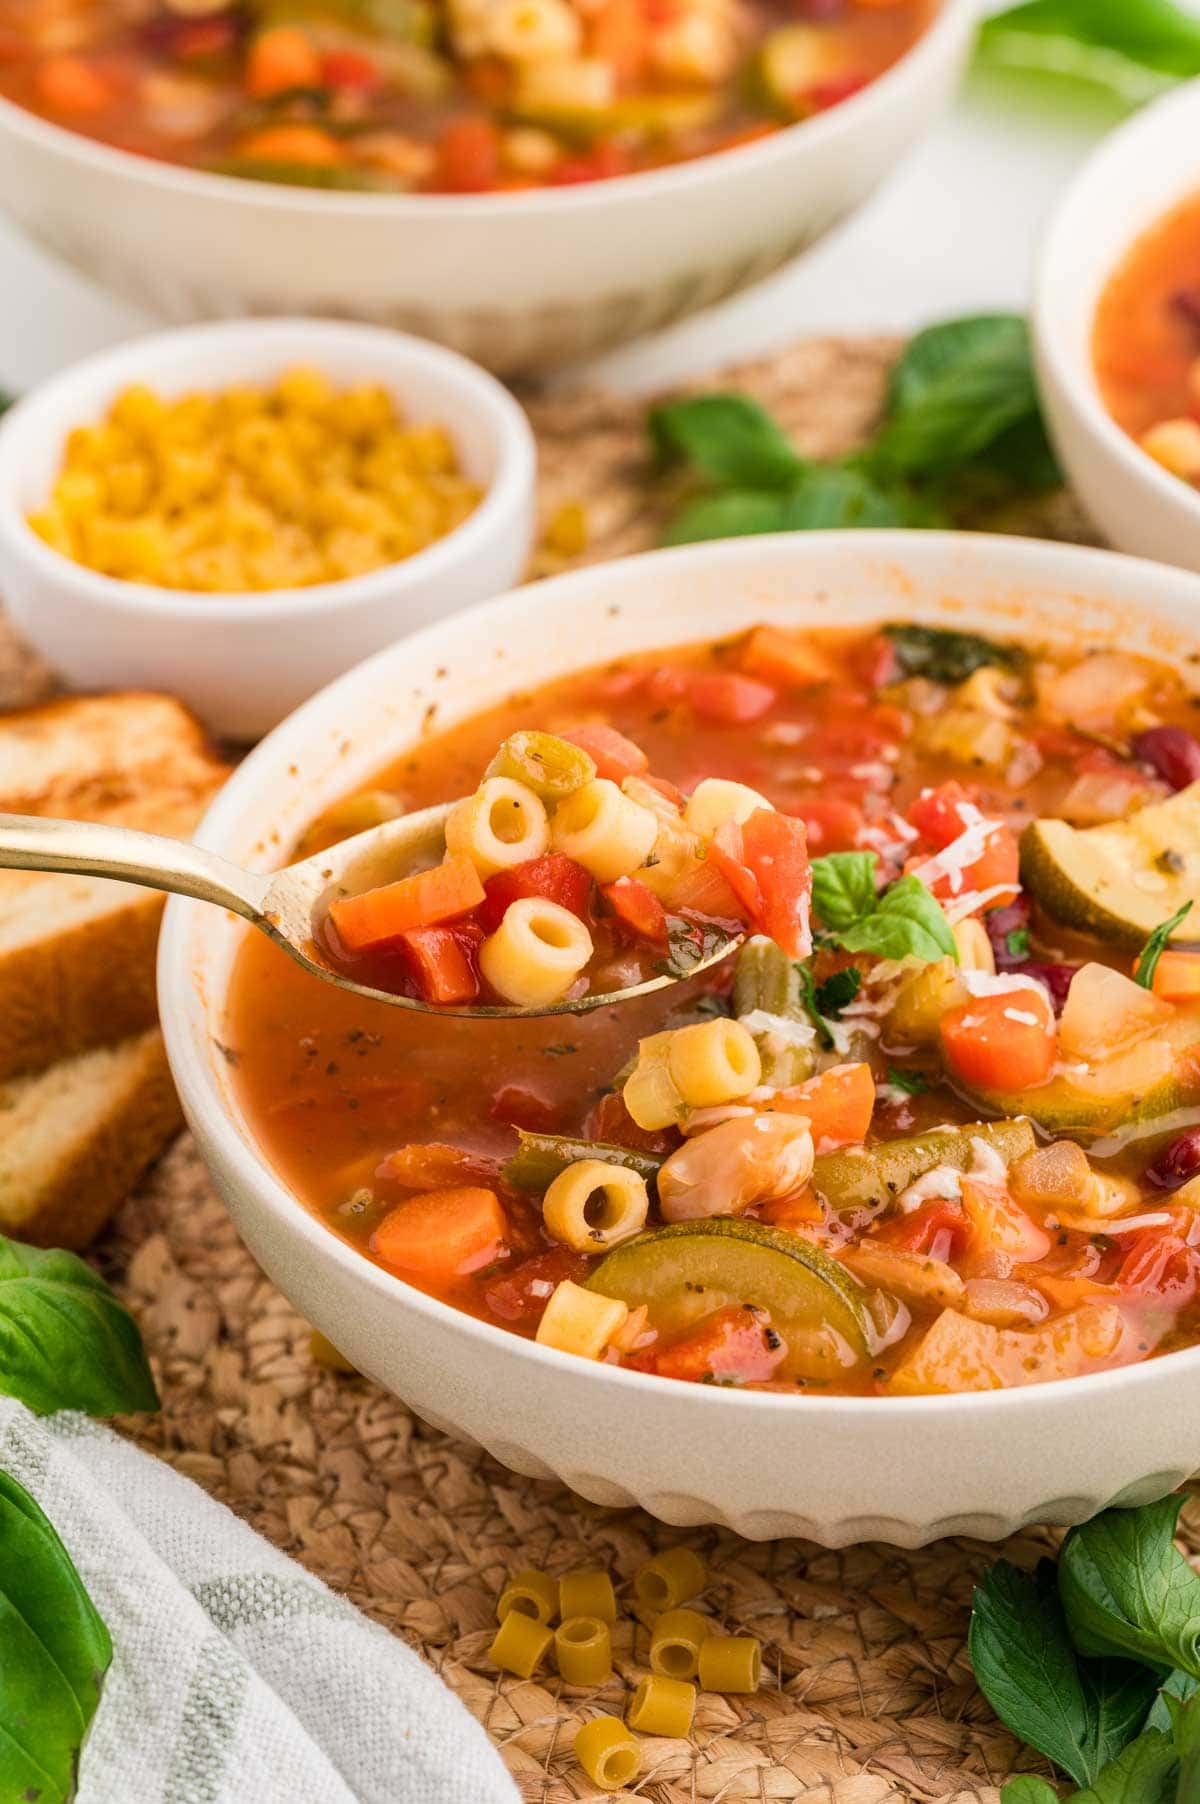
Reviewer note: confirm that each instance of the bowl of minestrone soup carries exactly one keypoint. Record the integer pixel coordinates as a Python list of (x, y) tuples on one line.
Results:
[(525, 180), (855, 1234), (1117, 321)]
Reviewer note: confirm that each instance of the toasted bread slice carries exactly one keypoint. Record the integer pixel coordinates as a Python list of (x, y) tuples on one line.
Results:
[(74, 1140), (77, 953)]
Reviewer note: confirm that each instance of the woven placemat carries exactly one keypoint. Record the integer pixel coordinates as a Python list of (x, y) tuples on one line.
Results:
[(868, 1697)]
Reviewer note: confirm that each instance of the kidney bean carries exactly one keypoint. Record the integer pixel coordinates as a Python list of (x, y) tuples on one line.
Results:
[(1057, 979), (1176, 1164), (1000, 922), (1172, 753)]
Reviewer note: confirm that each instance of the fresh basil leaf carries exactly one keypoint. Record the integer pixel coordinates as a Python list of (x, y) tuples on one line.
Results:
[(838, 992), (735, 514), (908, 923), (727, 437), (1028, 1790), (56, 1652), (832, 496), (844, 887), (911, 1082), (1128, 1591), (948, 657), (1143, 1773), (1023, 1660), (1020, 461), (65, 1341), (957, 389), (1155, 946), (808, 996), (1133, 49)]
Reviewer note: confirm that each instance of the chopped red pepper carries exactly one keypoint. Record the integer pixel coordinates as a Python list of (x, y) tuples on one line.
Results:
[(553, 876), (638, 908)]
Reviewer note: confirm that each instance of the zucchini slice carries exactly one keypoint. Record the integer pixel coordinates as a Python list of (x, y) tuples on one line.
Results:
[(684, 1272), (1122, 880)]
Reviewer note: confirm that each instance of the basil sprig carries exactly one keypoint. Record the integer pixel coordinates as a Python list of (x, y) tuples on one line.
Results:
[(1129, 50), (962, 432), (1096, 1664), (65, 1341), (905, 921), (56, 1653), (1156, 945)]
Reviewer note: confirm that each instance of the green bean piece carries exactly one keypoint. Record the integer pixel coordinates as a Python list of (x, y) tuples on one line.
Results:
[(540, 1158), (868, 1177), (551, 767), (766, 978)]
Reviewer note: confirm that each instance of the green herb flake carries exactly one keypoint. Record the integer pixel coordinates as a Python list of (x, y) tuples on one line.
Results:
[(838, 992), (913, 1083), (1016, 943), (1156, 945)]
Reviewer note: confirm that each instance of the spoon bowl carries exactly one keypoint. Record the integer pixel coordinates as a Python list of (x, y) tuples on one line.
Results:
[(289, 905)]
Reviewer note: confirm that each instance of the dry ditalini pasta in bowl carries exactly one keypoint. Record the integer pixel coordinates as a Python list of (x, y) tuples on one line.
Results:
[(857, 1232)]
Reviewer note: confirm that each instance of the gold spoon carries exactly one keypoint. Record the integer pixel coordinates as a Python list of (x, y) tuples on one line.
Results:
[(288, 905)]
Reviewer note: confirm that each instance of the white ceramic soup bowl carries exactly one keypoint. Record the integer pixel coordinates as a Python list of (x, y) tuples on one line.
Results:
[(518, 281), (835, 1469), (1135, 178), (244, 661)]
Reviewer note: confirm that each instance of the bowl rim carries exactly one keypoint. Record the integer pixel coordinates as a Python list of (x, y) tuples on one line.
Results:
[(1057, 265), (507, 493), (952, 17), (248, 1167)]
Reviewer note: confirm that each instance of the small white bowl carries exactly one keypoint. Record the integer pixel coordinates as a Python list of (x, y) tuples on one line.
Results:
[(520, 281), (833, 1469), (243, 661), (1136, 177)]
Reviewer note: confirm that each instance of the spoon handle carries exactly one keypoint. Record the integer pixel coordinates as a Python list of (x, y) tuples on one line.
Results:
[(31, 842)]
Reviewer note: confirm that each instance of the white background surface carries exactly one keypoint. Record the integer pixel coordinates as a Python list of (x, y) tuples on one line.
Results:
[(955, 230)]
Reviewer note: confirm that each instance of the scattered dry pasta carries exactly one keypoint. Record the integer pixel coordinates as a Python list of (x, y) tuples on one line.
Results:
[(254, 489)]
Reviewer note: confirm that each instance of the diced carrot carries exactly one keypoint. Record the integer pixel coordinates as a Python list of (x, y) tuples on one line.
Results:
[(553, 876), (293, 144), (468, 153), (435, 1166), (379, 916), (638, 907), (793, 1212), (618, 35), (729, 699), (443, 1234), (68, 84), (1000, 1225), (839, 1103), (439, 964), (736, 1343), (614, 756), (1177, 977), (784, 658), (1004, 1042), (279, 60)]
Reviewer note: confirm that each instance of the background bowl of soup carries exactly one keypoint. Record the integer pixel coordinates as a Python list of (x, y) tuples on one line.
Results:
[(834, 1468), (519, 280), (1117, 328)]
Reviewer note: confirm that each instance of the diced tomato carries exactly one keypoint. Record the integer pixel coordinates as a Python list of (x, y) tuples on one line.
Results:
[(439, 963), (601, 164), (198, 38), (666, 685), (729, 699), (521, 1107), (824, 94), (436, 1166), (609, 1121), (938, 814), (839, 1104), (736, 1344), (614, 756), (638, 908), (1000, 1225), (350, 69), (553, 876), (468, 153), (775, 851), (521, 1295), (1004, 1042), (972, 853), (618, 35), (1163, 1263), (788, 659), (831, 823), (727, 851), (68, 84), (875, 662), (442, 1234), (937, 1230)]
